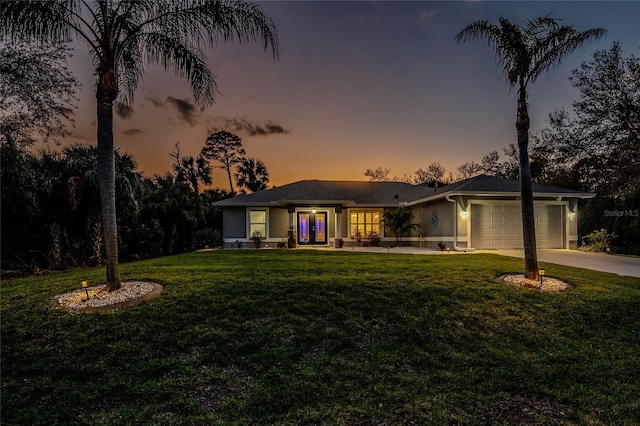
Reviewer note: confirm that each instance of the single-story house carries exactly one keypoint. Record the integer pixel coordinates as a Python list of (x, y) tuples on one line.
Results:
[(482, 212)]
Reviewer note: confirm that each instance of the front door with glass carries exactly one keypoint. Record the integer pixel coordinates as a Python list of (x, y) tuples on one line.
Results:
[(312, 227)]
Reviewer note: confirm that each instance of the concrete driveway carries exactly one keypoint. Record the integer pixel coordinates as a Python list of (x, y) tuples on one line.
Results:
[(621, 265)]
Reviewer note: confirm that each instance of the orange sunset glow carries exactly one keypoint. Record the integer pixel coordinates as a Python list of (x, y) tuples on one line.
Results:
[(359, 85)]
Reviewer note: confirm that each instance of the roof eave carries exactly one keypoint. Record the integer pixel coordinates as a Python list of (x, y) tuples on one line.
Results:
[(501, 194), (318, 202)]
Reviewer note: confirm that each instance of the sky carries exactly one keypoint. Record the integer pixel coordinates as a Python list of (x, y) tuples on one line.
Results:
[(359, 85)]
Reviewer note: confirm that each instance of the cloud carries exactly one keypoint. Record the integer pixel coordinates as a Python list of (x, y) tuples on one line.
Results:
[(246, 125), (267, 129), (123, 110), (132, 132), (156, 103), (186, 110), (77, 137), (418, 26), (427, 15)]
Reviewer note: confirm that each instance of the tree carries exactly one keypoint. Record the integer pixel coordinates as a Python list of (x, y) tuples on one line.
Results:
[(525, 53), (398, 222), (432, 176), (84, 194), (191, 170), (468, 169), (378, 175), (37, 92), (226, 148), (126, 35), (583, 148), (21, 210), (509, 168), (176, 208), (252, 174)]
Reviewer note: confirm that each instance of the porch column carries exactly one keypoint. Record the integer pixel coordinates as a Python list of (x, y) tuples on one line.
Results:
[(291, 241), (291, 211), (338, 223)]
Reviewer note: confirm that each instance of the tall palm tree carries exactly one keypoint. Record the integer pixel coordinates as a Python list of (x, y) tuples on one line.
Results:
[(252, 174), (124, 36), (524, 54)]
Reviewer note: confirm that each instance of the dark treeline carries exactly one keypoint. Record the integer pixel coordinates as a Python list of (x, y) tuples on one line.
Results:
[(51, 210)]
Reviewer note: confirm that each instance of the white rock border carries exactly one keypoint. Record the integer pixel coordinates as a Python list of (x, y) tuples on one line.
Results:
[(130, 293), (548, 283)]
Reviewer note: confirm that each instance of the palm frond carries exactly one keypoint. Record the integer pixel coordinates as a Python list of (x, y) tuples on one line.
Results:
[(213, 21), (36, 20), (130, 70), (506, 40), (525, 53), (170, 52), (123, 34), (550, 50)]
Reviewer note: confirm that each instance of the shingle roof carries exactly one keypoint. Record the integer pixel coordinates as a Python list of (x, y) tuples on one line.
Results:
[(338, 192), (383, 193), (489, 184)]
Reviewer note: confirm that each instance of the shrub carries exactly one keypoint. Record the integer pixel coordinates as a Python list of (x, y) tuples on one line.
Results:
[(599, 241), (256, 237), (206, 238), (374, 239)]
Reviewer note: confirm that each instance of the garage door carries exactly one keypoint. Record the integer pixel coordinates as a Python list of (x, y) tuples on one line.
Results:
[(497, 226)]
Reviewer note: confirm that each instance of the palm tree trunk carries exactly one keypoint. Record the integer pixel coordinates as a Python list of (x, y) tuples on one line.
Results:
[(526, 188), (106, 177)]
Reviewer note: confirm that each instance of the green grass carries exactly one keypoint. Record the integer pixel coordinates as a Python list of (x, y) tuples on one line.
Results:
[(313, 337)]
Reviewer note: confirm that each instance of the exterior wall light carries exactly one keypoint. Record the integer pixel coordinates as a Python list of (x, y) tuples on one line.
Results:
[(313, 210), (572, 215), (464, 214)]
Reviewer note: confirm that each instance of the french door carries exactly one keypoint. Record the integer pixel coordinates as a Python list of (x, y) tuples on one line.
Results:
[(312, 227)]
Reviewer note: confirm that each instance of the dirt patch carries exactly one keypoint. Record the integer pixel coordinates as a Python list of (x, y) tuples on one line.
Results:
[(524, 410), (547, 283), (96, 298)]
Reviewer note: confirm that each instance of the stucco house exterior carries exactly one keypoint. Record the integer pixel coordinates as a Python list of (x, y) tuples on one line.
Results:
[(482, 212)]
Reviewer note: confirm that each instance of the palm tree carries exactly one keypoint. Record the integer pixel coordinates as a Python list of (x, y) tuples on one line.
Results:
[(193, 171), (524, 54), (176, 208), (252, 174), (126, 35), (398, 221)]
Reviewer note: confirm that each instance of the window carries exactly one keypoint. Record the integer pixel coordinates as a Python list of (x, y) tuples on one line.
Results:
[(258, 222), (365, 221)]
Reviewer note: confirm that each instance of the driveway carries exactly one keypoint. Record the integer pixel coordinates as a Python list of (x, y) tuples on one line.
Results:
[(621, 265)]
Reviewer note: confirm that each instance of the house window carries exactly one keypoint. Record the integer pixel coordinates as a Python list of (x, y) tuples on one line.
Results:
[(258, 222), (365, 221)]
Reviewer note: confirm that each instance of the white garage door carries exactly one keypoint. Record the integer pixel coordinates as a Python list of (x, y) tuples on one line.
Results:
[(497, 226)]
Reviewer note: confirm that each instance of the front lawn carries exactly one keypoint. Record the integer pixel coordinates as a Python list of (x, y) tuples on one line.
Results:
[(325, 337)]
